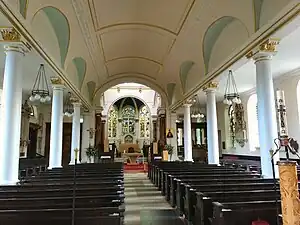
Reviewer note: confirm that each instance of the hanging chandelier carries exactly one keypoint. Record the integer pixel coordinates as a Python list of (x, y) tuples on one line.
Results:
[(40, 91), (195, 109), (231, 95), (68, 109)]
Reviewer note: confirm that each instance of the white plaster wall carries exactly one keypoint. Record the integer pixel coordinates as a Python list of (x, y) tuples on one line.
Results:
[(289, 85)]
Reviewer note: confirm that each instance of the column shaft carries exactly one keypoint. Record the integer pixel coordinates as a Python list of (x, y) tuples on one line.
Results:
[(173, 141), (11, 117), (188, 148), (75, 131), (55, 155), (267, 123), (86, 128), (212, 128)]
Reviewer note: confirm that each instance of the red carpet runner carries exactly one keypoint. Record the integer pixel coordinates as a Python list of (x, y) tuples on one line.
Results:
[(135, 168)]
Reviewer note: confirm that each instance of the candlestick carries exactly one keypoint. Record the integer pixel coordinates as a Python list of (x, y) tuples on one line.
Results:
[(281, 111)]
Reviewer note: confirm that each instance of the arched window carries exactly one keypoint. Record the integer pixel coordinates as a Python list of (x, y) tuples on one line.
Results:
[(128, 123), (112, 123), (253, 122), (144, 122)]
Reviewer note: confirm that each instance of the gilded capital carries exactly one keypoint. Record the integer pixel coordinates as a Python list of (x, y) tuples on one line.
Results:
[(268, 46), (56, 81), (10, 34), (74, 100), (213, 85)]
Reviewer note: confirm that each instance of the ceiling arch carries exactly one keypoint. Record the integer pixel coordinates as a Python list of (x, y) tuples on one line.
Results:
[(61, 28), (80, 65), (131, 78), (23, 4), (91, 86), (183, 73), (140, 65), (170, 91), (213, 33)]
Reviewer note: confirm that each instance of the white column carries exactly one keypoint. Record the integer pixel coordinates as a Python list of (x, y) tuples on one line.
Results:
[(198, 133), (188, 147), (24, 130), (173, 141), (267, 123), (86, 128), (55, 155), (212, 124), (92, 127), (11, 116), (75, 144)]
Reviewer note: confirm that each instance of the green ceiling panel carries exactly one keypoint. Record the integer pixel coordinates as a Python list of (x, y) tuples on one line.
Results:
[(211, 36), (170, 91), (80, 65), (257, 4), (23, 7), (91, 85), (61, 28), (184, 71)]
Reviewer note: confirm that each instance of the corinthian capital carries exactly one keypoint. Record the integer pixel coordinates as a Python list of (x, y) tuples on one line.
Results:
[(10, 34), (267, 48), (211, 86)]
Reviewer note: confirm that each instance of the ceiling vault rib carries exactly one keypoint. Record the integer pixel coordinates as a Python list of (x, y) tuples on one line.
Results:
[(134, 57), (185, 17), (99, 39), (134, 24), (136, 73)]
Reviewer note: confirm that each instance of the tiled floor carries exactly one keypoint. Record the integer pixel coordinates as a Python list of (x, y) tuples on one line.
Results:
[(143, 203)]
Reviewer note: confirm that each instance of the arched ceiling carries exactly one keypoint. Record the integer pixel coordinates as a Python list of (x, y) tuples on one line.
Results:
[(133, 35), (168, 45)]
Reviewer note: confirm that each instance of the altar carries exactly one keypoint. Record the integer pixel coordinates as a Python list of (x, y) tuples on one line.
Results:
[(130, 152)]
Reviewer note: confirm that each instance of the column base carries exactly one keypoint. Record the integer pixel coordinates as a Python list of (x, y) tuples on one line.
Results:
[(54, 167), (9, 182)]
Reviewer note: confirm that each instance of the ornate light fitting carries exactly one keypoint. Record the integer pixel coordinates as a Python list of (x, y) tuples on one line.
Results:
[(68, 109), (195, 109), (40, 91), (231, 93)]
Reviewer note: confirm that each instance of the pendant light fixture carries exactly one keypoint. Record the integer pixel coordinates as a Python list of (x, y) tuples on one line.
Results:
[(40, 91), (231, 95)]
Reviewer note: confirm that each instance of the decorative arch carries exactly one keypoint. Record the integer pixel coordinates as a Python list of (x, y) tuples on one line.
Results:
[(170, 92), (80, 65), (257, 6), (61, 28), (185, 68), (23, 5), (253, 122), (137, 79), (91, 86), (214, 32)]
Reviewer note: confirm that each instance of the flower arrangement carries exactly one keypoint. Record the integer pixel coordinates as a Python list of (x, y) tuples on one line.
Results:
[(169, 148), (91, 151)]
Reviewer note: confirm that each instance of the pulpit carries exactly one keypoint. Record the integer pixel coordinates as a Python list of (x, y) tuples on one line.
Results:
[(130, 152)]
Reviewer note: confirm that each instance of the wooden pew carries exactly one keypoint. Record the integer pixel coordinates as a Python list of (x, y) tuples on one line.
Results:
[(44, 199)]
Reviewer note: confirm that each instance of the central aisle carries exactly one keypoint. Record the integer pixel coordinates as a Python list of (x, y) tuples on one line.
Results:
[(144, 204)]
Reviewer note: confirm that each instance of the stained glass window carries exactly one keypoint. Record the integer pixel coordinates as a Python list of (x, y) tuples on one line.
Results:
[(112, 123), (144, 122), (128, 123)]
